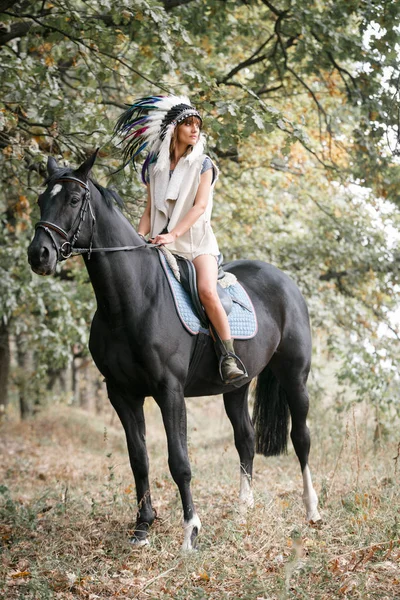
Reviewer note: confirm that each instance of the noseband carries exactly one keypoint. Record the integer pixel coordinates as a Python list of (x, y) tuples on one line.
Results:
[(67, 248)]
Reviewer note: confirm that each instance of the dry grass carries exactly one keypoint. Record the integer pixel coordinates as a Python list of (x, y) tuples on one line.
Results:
[(67, 505)]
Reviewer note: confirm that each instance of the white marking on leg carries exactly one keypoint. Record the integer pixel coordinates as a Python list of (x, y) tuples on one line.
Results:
[(310, 497), (56, 189), (139, 543), (191, 530), (246, 497)]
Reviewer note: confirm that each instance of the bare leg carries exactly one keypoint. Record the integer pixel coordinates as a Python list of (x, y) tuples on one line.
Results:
[(173, 410), (207, 276), (130, 412), (238, 413)]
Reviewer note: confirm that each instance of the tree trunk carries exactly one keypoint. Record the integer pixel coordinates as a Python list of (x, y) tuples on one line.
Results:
[(99, 395), (24, 359), (86, 386), (76, 380), (4, 365)]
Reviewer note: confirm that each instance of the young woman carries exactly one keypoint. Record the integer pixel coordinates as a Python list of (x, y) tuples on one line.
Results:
[(180, 180)]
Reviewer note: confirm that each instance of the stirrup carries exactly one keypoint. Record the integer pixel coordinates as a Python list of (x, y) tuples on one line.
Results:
[(235, 379)]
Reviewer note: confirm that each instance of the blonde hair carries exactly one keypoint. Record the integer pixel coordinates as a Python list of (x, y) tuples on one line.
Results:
[(174, 138)]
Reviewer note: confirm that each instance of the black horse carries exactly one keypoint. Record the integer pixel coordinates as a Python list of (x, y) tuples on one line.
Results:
[(139, 345)]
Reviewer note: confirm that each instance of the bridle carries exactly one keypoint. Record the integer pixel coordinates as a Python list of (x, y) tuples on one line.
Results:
[(68, 248)]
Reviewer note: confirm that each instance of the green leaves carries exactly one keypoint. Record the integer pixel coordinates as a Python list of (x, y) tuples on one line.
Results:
[(299, 103)]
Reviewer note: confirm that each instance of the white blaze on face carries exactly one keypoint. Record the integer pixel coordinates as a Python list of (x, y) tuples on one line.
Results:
[(56, 190)]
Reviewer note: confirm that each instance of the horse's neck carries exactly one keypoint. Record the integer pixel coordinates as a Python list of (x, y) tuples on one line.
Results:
[(115, 276), (112, 228)]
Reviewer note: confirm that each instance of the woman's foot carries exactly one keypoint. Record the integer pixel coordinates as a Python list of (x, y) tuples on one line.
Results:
[(230, 371)]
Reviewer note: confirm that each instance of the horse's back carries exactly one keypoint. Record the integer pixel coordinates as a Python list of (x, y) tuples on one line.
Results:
[(268, 283)]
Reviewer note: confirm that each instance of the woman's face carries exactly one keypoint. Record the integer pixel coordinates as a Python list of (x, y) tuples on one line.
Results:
[(189, 132)]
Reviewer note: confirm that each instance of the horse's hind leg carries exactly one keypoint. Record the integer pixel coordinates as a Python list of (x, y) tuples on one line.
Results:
[(173, 410), (130, 412), (293, 380), (297, 396), (236, 407)]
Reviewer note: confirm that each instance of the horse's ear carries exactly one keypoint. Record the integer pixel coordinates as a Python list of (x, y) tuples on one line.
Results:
[(86, 167), (52, 165)]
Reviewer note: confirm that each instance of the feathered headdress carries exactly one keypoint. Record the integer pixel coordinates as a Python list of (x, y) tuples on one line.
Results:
[(149, 124)]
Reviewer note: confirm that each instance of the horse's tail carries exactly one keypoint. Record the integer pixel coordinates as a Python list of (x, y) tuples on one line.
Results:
[(270, 415)]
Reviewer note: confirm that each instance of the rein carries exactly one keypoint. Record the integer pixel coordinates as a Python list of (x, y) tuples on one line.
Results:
[(67, 248)]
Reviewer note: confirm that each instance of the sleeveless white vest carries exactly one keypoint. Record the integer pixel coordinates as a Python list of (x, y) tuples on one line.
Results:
[(173, 198)]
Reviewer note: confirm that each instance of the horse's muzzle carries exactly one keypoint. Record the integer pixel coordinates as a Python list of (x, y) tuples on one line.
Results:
[(42, 256)]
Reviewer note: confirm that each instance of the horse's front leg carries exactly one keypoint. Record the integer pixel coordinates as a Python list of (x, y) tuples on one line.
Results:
[(236, 406), (130, 412), (173, 410)]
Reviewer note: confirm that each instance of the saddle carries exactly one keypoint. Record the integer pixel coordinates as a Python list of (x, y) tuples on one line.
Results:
[(188, 281), (181, 277)]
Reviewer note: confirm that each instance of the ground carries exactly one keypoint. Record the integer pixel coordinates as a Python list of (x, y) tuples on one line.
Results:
[(67, 505)]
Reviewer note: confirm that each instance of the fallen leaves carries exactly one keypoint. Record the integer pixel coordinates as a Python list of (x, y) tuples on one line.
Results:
[(82, 552), (19, 574), (201, 575)]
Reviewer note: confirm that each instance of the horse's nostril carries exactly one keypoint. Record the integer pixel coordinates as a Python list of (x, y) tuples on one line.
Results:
[(44, 253)]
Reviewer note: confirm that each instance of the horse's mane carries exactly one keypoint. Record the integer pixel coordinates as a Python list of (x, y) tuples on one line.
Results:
[(109, 195)]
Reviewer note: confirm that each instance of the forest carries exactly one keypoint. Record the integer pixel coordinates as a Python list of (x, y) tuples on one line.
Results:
[(301, 109)]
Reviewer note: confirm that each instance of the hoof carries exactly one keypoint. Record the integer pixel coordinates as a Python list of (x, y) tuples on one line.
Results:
[(313, 517), (191, 529), (316, 523), (191, 549), (139, 543), (189, 543), (246, 503)]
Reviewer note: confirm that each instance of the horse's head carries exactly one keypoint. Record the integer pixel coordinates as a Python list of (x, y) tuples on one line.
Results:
[(63, 207)]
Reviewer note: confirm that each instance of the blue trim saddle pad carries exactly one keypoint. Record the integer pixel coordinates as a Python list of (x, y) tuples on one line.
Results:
[(242, 321)]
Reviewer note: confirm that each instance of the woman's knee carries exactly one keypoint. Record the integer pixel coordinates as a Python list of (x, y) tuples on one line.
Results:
[(208, 295)]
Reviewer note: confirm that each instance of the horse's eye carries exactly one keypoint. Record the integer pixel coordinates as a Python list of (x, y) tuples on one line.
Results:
[(75, 200)]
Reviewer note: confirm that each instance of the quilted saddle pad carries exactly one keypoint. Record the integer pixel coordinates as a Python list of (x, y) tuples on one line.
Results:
[(242, 319)]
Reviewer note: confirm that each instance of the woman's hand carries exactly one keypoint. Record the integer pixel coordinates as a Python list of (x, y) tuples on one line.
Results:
[(164, 238)]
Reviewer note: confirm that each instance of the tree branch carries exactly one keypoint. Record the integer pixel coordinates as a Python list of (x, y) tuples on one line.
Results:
[(253, 59), (266, 90), (346, 291), (77, 41), (339, 68), (307, 87), (170, 4), (26, 121), (300, 80), (17, 30), (273, 9), (6, 4), (112, 103)]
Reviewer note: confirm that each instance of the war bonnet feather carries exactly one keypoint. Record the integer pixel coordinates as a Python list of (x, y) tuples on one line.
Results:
[(149, 125)]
